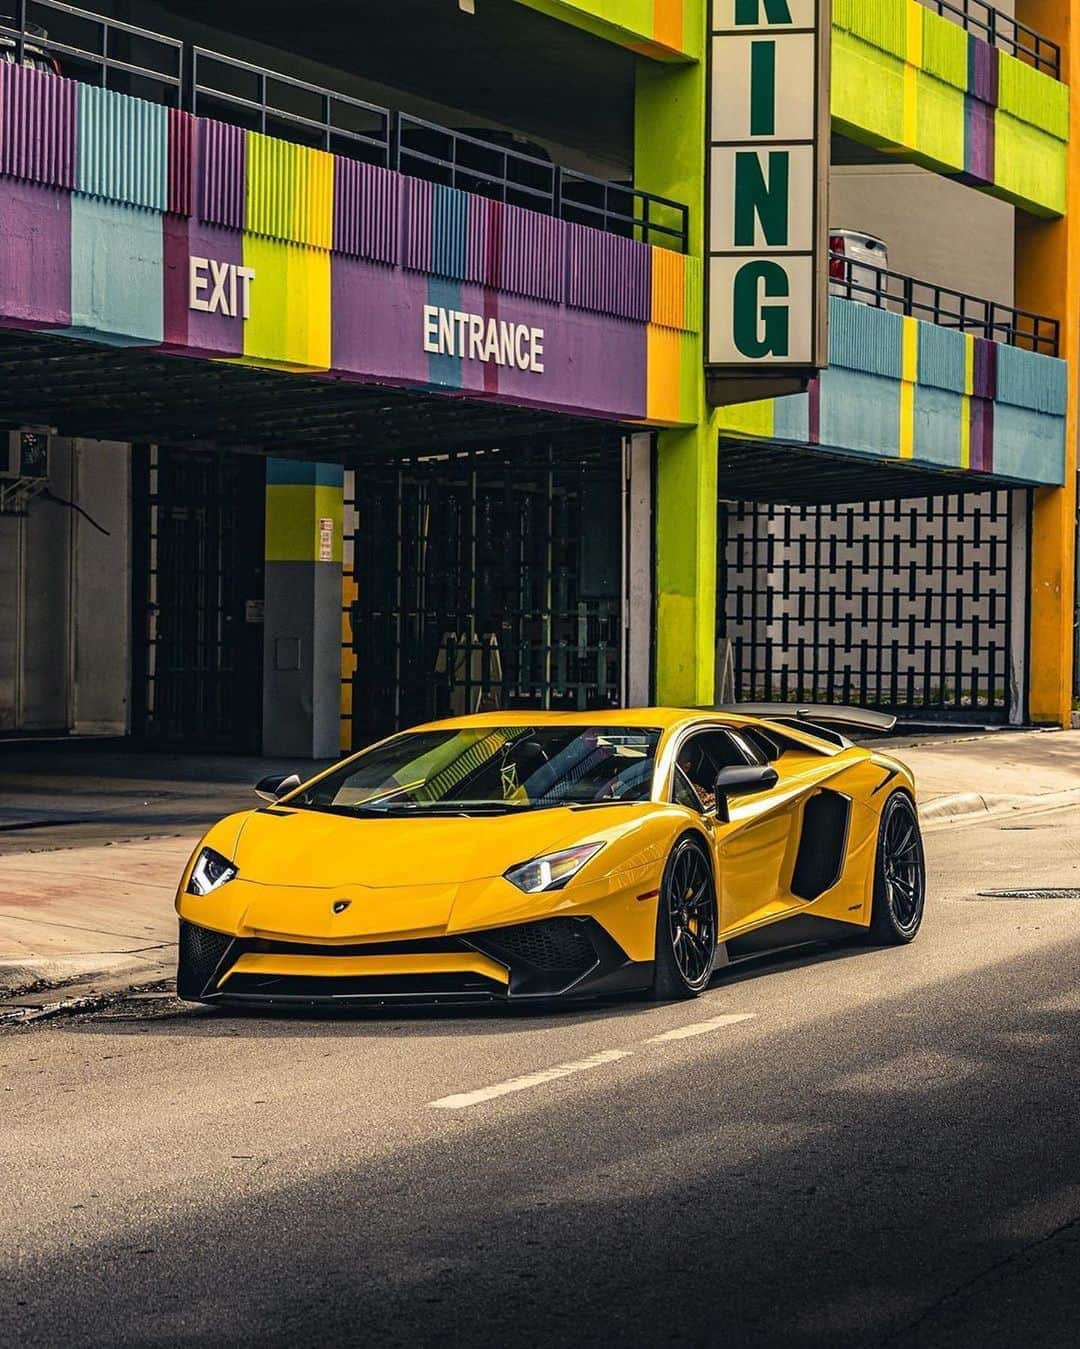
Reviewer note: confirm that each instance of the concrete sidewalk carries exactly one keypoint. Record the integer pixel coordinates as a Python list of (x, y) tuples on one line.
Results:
[(99, 915)]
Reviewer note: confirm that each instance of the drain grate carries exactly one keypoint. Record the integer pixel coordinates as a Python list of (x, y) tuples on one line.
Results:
[(1061, 893)]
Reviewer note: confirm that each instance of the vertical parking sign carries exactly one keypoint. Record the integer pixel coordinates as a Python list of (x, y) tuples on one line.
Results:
[(767, 229)]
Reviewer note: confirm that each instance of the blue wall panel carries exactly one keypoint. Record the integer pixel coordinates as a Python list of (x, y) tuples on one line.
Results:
[(116, 273), (942, 355), (1028, 445), (122, 148), (864, 338), (860, 411), (937, 426), (1027, 380)]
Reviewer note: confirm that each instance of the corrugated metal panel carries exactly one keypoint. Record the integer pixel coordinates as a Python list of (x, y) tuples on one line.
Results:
[(986, 368), (367, 211), (37, 126), (222, 173), (290, 191), (448, 232), (864, 338), (485, 232), (695, 298), (418, 213), (982, 70), (668, 288), (1028, 380), (313, 199), (608, 274), (181, 161), (941, 358), (122, 148), (532, 255)]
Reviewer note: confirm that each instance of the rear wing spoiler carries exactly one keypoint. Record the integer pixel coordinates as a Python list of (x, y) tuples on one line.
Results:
[(816, 718)]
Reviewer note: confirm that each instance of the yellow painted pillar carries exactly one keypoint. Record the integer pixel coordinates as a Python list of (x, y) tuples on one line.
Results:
[(1048, 282), (670, 160)]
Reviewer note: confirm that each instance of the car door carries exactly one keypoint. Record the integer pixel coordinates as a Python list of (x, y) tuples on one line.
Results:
[(751, 850)]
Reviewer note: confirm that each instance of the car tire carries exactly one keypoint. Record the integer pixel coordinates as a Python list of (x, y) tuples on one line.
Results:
[(899, 875), (686, 923)]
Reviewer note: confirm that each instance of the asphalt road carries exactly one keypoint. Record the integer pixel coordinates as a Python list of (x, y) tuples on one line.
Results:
[(847, 1148)]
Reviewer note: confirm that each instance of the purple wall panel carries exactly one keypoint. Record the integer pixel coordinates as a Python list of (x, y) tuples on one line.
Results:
[(37, 126), (532, 256), (181, 161), (377, 322), (983, 70), (608, 274), (592, 364), (416, 253), (222, 170), (192, 330), (367, 211), (484, 242), (35, 255)]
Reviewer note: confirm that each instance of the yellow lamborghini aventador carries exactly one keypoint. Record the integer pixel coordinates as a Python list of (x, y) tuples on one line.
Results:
[(537, 856)]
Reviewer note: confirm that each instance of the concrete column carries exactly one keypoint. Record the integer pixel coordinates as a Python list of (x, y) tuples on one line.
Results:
[(670, 160), (1048, 282), (302, 615)]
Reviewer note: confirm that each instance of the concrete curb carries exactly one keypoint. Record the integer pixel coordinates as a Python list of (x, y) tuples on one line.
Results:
[(85, 974), (965, 805)]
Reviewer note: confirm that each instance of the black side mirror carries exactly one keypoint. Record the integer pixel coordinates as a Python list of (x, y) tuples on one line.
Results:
[(277, 785), (742, 780)]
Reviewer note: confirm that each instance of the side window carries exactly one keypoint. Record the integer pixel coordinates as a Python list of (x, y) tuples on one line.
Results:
[(683, 794), (699, 761)]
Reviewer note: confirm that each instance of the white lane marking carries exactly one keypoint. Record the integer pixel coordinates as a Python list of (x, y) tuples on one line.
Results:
[(468, 1098), (700, 1027), (530, 1080)]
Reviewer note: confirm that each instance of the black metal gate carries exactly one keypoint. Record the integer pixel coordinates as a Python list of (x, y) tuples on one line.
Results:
[(198, 577), (901, 605), (484, 580)]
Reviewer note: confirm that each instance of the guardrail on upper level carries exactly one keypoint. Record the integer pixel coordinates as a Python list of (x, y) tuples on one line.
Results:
[(1002, 31), (132, 60), (852, 280)]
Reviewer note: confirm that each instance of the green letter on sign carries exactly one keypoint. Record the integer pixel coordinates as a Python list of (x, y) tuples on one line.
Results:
[(746, 12), (763, 88), (757, 200), (759, 329)]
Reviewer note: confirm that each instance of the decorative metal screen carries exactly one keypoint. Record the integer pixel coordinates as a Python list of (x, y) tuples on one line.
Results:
[(893, 604), (482, 581), (198, 567)]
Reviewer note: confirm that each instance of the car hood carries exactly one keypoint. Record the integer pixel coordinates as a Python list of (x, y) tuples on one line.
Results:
[(315, 849)]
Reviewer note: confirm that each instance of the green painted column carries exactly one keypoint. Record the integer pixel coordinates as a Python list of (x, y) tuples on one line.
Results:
[(670, 160)]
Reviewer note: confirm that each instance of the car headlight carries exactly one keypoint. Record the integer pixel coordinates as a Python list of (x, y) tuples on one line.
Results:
[(210, 871), (553, 871)]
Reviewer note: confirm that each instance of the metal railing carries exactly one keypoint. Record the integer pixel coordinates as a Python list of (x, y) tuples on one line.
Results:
[(490, 168), (1003, 31), (232, 90), (100, 47), (853, 280), (493, 164)]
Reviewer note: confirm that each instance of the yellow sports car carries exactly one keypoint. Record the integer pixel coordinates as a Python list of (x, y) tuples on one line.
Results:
[(534, 856)]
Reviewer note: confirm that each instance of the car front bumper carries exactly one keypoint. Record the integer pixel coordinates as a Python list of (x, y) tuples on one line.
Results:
[(551, 958)]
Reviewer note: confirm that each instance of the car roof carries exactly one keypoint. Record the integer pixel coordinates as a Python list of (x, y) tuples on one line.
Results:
[(662, 718)]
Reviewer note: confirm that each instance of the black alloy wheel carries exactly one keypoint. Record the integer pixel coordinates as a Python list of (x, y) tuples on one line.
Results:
[(900, 874), (685, 923)]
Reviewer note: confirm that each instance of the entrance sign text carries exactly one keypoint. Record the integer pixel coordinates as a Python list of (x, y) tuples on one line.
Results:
[(450, 332), (768, 171), (220, 287)]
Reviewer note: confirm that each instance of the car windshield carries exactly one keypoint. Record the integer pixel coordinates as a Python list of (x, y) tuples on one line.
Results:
[(491, 770)]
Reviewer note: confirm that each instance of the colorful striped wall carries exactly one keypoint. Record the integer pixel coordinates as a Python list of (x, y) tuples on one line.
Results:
[(666, 30), (914, 83), (105, 199), (901, 389)]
